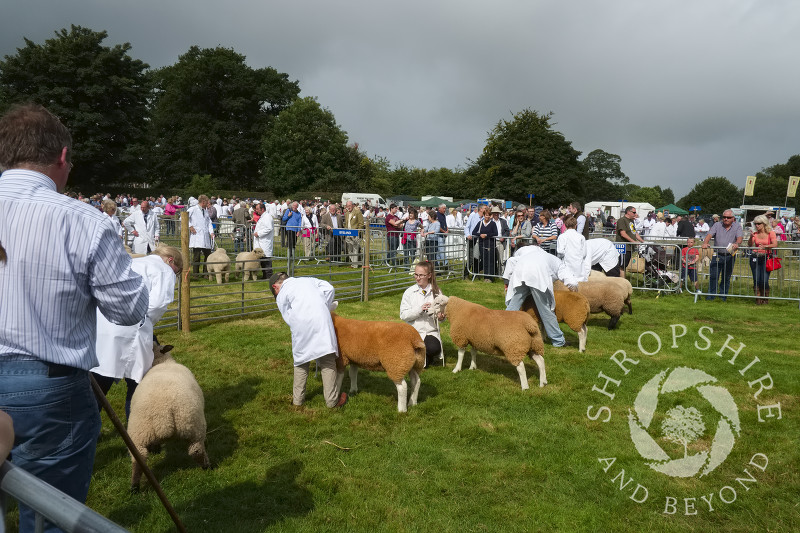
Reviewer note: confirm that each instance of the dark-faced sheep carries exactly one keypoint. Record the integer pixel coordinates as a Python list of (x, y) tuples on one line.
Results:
[(393, 347), (513, 334)]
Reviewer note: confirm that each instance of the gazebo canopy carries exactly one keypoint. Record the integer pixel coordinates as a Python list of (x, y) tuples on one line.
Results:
[(673, 209), (434, 201)]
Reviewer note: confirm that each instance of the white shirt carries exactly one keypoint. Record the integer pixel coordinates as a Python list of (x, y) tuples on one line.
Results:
[(602, 252), (148, 230), (535, 268), (571, 248), (264, 233), (647, 226), (305, 305), (204, 229), (659, 230), (672, 230), (127, 351), (411, 311), (65, 261)]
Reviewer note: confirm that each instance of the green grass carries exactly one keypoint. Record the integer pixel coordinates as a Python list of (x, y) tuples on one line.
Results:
[(477, 453)]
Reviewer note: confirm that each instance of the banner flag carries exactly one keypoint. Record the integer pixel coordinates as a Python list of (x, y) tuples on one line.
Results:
[(751, 183), (792, 190)]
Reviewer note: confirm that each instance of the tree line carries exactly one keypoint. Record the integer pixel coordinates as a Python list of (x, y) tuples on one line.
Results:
[(211, 119)]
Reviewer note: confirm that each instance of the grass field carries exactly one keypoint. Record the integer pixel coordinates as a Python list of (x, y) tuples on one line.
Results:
[(477, 453)]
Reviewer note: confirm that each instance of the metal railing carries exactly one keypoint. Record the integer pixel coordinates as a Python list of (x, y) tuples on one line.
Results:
[(49, 503)]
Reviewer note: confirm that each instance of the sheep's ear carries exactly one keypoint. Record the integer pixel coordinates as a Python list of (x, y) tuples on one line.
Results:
[(167, 348)]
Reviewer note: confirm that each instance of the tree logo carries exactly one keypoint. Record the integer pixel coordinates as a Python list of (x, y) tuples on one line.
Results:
[(683, 425)]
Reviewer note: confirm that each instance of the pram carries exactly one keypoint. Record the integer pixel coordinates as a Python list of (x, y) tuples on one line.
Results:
[(656, 271)]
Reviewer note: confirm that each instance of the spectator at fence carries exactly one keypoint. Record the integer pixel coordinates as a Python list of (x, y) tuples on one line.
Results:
[(170, 212), (701, 229), (110, 209), (601, 255), (201, 232), (473, 220), (575, 210), (610, 223), (305, 305), (689, 258), (330, 221), (685, 228), (308, 231), (414, 305), (626, 232), (763, 241), (241, 227), (431, 234), (353, 219), (546, 232), (571, 248), (727, 239), (485, 233), (263, 236), (144, 226), (503, 231), (52, 284), (393, 232), (778, 228), (410, 231), (292, 220), (521, 229)]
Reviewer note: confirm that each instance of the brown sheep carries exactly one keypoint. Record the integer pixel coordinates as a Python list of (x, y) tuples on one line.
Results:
[(603, 297), (513, 334), (596, 275), (572, 309), (394, 347)]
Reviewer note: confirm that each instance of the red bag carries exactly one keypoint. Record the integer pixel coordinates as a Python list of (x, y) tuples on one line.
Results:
[(773, 263)]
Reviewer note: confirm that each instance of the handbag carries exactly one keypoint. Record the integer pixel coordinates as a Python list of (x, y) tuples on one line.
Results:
[(773, 263)]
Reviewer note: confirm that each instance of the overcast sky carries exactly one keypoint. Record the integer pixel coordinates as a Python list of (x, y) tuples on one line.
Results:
[(680, 89)]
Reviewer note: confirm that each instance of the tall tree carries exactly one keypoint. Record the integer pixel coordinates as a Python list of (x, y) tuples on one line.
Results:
[(99, 92), (771, 184), (713, 195), (304, 147), (524, 156), (210, 112), (605, 179)]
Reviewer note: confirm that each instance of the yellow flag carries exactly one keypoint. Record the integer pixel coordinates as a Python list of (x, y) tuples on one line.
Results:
[(793, 181), (751, 183)]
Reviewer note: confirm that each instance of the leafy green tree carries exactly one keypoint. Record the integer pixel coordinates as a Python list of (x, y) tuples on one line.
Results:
[(651, 195), (210, 112), (99, 92), (306, 146), (772, 182), (713, 195), (605, 179), (525, 155), (204, 184)]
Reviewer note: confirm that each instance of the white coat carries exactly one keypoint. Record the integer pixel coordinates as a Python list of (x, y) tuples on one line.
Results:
[(571, 247), (204, 229), (148, 232), (658, 231), (305, 305), (602, 252), (535, 268), (412, 313), (127, 351), (264, 233)]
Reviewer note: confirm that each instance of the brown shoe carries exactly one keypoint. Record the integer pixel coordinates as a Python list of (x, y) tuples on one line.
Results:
[(342, 400)]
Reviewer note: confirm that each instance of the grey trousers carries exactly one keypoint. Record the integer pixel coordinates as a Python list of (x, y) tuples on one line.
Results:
[(542, 303), (327, 368)]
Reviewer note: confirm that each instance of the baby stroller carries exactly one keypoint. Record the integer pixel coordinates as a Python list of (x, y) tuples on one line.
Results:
[(656, 271)]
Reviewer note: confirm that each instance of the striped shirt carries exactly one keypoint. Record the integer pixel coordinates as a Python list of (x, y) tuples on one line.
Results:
[(65, 260), (544, 231)]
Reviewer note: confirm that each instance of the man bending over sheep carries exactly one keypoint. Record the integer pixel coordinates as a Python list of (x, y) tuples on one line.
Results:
[(305, 305), (531, 271)]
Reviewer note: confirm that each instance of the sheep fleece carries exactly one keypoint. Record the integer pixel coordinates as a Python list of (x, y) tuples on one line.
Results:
[(510, 333), (572, 309)]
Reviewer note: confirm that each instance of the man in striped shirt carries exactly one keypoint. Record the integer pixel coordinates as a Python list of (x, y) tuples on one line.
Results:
[(64, 261)]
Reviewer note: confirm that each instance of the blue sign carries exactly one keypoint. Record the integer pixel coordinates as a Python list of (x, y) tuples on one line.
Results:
[(345, 232), (620, 247), (531, 196), (509, 204)]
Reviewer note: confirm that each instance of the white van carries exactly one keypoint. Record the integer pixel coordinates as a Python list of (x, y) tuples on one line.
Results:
[(361, 198)]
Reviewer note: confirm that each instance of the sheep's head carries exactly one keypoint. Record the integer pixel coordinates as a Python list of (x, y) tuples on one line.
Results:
[(439, 305), (221, 251), (161, 353), (258, 253)]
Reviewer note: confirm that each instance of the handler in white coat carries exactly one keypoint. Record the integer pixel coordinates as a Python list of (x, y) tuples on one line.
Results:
[(531, 271), (201, 231), (571, 248), (143, 225), (603, 254), (127, 351), (305, 305), (262, 238)]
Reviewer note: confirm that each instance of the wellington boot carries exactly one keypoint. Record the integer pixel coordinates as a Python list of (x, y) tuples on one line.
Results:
[(765, 293), (758, 294)]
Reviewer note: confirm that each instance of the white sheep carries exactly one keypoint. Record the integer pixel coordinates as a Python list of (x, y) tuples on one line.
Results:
[(603, 297), (394, 347), (249, 263), (624, 284), (218, 263), (513, 334), (168, 403)]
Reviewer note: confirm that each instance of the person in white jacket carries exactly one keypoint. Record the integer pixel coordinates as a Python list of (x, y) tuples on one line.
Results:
[(531, 270), (263, 234), (127, 351), (414, 310), (602, 254), (143, 225), (305, 305), (571, 248), (201, 231)]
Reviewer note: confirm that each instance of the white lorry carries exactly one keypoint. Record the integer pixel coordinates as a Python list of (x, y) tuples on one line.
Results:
[(361, 198)]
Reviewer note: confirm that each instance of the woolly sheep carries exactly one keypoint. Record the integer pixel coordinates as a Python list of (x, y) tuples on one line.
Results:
[(513, 334), (572, 309), (604, 297), (249, 263), (395, 347), (219, 263), (168, 403), (624, 284)]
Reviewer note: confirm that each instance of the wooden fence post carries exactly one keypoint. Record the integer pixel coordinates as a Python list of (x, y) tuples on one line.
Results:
[(187, 261)]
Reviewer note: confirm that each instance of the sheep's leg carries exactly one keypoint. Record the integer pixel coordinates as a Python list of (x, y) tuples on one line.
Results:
[(542, 374), (136, 472), (523, 377), (460, 359), (630, 306), (613, 322), (474, 363), (413, 378), (402, 396), (353, 378), (582, 338), (219, 278)]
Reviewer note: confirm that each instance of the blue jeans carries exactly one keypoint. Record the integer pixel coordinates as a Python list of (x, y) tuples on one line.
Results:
[(410, 249), (542, 302), (758, 264), (392, 243), (56, 423), (720, 269)]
